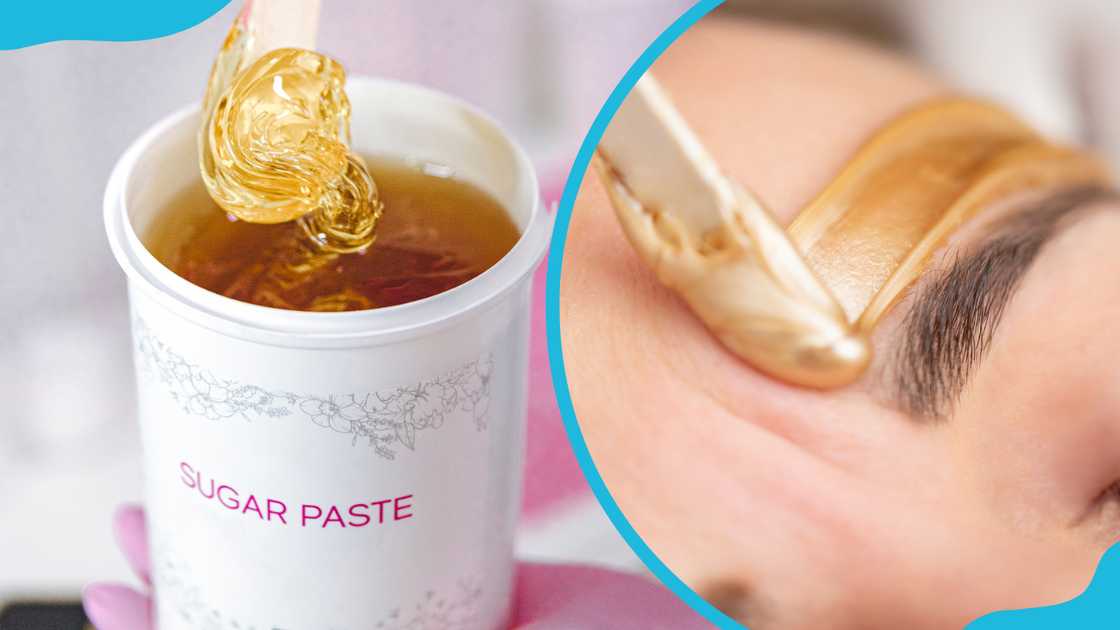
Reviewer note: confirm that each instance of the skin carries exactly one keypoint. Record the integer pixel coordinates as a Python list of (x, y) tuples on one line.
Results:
[(800, 509)]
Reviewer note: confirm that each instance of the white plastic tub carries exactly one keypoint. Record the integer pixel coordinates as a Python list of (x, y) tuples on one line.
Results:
[(407, 420)]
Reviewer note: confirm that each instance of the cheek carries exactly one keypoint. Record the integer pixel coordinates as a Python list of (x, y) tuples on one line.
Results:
[(1032, 449), (1039, 438)]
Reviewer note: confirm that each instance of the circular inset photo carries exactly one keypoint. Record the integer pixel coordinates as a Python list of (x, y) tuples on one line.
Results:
[(839, 332)]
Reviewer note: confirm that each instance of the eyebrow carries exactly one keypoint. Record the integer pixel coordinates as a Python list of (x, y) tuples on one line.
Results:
[(956, 311)]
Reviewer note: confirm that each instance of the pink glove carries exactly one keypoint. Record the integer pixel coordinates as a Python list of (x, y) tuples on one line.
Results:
[(548, 597)]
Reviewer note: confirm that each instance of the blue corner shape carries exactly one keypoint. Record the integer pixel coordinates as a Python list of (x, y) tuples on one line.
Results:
[(29, 22), (1094, 609)]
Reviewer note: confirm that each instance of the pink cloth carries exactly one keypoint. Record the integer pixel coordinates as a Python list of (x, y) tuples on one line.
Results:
[(551, 472), (549, 597)]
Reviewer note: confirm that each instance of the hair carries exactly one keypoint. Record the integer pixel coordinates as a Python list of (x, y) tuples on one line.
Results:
[(956, 310)]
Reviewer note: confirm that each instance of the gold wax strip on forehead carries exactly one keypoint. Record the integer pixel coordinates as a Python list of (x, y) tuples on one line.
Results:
[(872, 231), (800, 305)]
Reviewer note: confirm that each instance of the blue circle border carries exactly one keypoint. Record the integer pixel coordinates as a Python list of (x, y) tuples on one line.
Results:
[(552, 316), (1091, 609)]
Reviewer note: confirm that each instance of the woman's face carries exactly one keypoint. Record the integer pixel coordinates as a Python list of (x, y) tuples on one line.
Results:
[(947, 483)]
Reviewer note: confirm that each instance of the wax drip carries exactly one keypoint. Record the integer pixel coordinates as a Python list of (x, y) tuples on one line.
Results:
[(273, 148)]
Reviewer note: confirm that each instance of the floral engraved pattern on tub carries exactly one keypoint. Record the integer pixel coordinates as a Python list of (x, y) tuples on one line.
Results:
[(454, 610), (451, 611), (387, 420)]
